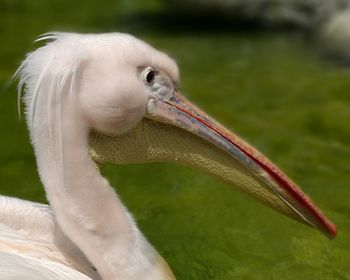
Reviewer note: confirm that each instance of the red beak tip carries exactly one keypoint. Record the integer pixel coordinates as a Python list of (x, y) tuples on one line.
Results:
[(332, 231)]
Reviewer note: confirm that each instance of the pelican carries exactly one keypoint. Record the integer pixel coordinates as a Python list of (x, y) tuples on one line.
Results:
[(95, 98)]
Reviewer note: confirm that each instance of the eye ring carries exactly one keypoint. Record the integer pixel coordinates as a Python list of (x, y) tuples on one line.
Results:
[(150, 76)]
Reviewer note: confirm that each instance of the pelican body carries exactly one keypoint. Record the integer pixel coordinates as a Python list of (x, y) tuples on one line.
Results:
[(99, 98)]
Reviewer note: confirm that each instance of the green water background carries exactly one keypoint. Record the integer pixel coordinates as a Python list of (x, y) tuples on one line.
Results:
[(271, 87)]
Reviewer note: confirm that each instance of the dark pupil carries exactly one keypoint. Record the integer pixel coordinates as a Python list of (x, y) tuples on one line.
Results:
[(150, 76)]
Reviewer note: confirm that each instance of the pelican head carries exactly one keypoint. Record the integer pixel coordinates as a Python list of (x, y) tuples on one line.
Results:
[(126, 96)]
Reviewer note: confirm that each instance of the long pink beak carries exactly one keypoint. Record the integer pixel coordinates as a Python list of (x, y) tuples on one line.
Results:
[(181, 113)]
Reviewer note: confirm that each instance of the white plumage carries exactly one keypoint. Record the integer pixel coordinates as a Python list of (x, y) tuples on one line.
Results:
[(32, 244), (18, 267), (73, 85)]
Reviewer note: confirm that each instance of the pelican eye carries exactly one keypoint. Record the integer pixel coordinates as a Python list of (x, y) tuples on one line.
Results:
[(150, 75)]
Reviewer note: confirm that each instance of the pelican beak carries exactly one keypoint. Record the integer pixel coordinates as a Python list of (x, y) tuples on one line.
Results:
[(174, 130), (261, 178)]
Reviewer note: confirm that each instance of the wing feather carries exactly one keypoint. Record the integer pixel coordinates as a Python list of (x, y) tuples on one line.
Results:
[(17, 267)]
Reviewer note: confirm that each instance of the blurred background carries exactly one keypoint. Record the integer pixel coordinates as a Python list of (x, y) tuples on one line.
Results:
[(275, 72)]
